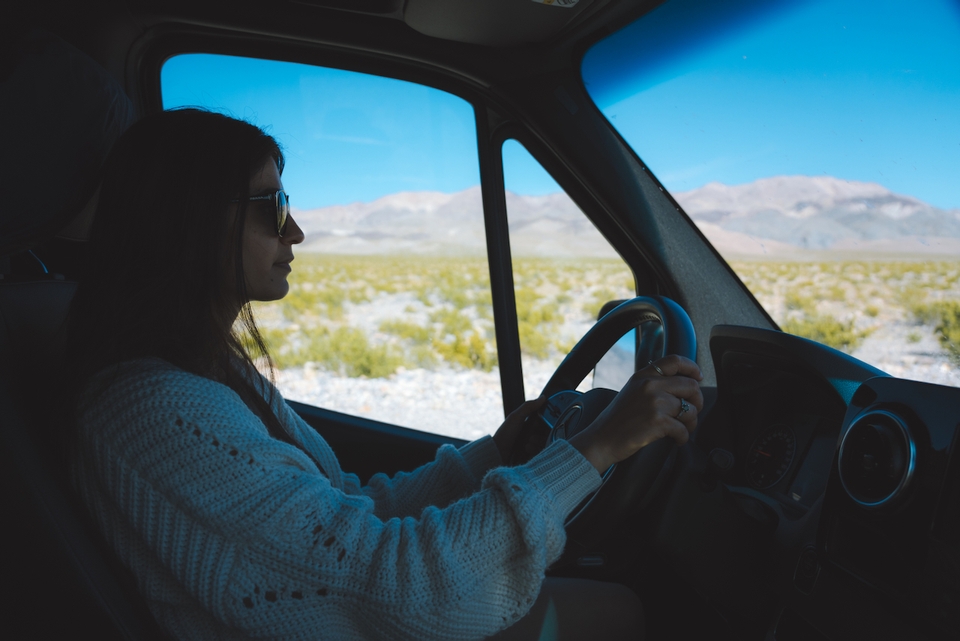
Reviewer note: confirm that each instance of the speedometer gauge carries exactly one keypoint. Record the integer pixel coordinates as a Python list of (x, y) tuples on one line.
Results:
[(770, 456)]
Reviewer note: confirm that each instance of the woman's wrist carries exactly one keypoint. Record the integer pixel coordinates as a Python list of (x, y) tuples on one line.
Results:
[(592, 450)]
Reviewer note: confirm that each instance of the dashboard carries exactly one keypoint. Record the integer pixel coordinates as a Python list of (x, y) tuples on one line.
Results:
[(822, 499)]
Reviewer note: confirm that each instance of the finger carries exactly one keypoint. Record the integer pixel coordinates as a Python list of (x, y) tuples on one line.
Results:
[(652, 369), (538, 402), (679, 386), (674, 365), (528, 408), (688, 416), (696, 399), (677, 431)]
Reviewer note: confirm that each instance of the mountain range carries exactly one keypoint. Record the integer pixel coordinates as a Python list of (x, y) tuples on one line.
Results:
[(772, 216)]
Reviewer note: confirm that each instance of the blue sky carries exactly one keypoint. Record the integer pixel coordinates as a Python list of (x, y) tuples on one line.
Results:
[(347, 136), (704, 90), (859, 90)]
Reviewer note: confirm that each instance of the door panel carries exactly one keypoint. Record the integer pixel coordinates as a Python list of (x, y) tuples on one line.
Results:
[(366, 447)]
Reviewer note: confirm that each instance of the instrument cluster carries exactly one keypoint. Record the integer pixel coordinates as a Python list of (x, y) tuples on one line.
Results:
[(785, 428)]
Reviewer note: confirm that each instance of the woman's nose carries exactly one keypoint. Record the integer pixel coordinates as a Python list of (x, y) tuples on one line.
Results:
[(294, 235)]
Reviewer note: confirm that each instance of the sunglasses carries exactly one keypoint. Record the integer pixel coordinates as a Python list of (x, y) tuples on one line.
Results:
[(281, 204)]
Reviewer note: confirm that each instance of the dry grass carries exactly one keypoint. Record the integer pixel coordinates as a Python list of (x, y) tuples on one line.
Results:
[(369, 316), (440, 311), (841, 303)]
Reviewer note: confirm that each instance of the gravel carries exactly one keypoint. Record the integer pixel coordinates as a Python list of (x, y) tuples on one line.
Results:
[(467, 403), (909, 350), (461, 403)]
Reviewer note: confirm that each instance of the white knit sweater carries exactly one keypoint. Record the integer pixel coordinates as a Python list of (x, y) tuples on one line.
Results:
[(233, 534)]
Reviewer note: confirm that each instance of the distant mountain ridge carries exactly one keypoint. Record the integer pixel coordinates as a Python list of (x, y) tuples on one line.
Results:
[(430, 222), (772, 216), (821, 213)]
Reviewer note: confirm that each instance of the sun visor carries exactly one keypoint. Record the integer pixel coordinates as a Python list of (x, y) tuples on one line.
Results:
[(60, 113), (495, 23)]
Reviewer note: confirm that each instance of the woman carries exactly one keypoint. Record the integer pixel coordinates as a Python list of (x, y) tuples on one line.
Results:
[(233, 513)]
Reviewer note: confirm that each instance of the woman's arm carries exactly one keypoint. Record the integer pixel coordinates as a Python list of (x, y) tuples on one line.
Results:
[(251, 530), (453, 474)]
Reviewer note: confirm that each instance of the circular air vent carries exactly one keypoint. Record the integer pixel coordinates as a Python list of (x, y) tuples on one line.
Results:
[(877, 459)]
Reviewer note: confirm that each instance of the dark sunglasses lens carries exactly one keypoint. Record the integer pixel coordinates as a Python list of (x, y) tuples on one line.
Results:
[(283, 212)]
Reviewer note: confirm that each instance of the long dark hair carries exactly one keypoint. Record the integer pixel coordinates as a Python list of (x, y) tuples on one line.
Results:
[(155, 284)]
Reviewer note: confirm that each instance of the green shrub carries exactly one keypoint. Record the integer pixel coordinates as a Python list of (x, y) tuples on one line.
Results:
[(273, 339), (836, 293), (537, 321), (469, 352), (453, 321), (946, 315), (827, 330), (927, 314), (913, 300), (348, 351), (805, 304), (456, 342), (325, 300), (418, 334), (601, 297), (423, 356), (345, 350)]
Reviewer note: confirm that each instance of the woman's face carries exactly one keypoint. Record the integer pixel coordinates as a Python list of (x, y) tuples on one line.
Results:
[(267, 256)]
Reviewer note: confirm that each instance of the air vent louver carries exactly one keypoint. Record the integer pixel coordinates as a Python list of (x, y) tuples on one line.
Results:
[(877, 459)]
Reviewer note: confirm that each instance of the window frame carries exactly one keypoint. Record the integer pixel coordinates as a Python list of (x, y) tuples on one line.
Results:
[(493, 128)]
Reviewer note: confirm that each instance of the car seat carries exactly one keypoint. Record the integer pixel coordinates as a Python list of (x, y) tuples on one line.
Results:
[(60, 113)]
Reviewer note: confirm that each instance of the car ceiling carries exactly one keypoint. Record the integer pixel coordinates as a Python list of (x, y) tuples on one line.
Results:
[(492, 41)]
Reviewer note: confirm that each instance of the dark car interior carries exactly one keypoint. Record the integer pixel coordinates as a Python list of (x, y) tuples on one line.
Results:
[(819, 498)]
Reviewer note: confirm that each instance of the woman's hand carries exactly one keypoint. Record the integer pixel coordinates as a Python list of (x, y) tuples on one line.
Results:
[(506, 436), (650, 406)]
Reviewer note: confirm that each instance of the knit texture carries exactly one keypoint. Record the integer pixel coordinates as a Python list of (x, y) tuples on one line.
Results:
[(233, 534)]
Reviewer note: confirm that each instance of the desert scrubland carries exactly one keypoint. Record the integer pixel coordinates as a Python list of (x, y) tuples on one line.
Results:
[(902, 316), (411, 340)]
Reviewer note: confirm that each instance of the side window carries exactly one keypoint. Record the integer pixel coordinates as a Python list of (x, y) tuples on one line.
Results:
[(564, 271), (389, 314)]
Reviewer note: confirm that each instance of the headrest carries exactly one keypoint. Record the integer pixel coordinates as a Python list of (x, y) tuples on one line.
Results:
[(60, 113)]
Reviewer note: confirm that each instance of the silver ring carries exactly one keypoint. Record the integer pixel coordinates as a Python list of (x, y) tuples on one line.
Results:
[(659, 371), (684, 407)]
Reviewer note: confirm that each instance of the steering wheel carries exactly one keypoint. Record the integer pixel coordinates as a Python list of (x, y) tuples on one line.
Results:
[(664, 328)]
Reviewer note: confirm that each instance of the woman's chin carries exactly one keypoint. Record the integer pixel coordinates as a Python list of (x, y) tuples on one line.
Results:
[(281, 292), (276, 291)]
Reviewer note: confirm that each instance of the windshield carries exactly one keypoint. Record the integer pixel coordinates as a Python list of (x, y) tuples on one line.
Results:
[(816, 145)]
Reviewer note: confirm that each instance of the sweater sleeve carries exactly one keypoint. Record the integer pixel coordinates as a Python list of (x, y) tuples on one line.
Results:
[(251, 529), (453, 474)]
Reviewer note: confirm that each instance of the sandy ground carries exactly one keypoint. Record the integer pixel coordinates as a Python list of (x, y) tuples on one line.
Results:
[(463, 403), (891, 349)]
